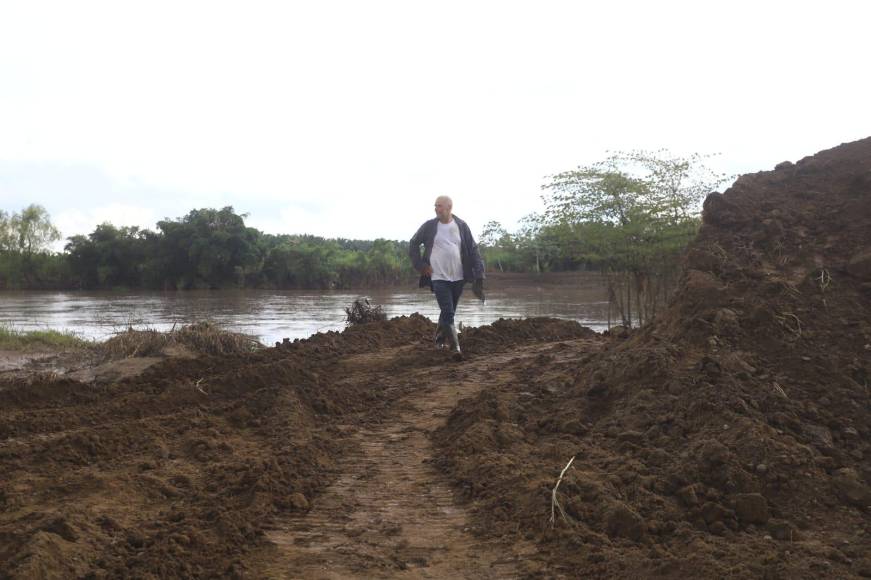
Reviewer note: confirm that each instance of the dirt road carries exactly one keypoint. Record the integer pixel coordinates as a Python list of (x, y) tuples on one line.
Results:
[(391, 514)]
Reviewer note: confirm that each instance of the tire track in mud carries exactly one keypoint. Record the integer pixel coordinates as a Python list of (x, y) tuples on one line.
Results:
[(391, 514)]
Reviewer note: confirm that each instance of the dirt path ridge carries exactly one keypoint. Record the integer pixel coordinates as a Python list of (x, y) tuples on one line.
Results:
[(391, 514)]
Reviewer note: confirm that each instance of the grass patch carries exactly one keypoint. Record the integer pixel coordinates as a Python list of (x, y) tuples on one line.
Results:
[(12, 339), (202, 337)]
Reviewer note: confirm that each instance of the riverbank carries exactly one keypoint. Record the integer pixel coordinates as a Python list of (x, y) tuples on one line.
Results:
[(25, 355), (25, 352)]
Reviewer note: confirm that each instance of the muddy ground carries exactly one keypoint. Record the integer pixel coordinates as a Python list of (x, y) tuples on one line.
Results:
[(729, 439), (200, 467)]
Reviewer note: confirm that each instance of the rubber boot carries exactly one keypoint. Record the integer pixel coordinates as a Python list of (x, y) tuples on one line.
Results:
[(439, 338), (454, 338)]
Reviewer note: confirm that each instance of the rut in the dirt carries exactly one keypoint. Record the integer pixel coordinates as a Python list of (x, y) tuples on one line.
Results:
[(391, 514)]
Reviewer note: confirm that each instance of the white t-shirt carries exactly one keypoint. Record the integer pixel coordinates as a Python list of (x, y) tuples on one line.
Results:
[(445, 257)]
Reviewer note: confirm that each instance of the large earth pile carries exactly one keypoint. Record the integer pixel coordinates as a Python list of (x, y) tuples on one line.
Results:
[(732, 438)]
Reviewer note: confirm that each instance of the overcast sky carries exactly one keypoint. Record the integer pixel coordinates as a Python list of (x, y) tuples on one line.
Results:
[(347, 118)]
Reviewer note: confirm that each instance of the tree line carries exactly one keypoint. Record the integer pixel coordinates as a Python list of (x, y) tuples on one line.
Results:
[(207, 248)]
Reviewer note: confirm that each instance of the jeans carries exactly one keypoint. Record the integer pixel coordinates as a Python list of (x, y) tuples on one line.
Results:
[(448, 296)]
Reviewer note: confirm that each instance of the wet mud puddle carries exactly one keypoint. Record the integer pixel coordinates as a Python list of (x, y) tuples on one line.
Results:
[(391, 514)]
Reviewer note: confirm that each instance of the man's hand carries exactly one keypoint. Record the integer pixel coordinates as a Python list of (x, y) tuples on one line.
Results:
[(478, 289), (427, 270)]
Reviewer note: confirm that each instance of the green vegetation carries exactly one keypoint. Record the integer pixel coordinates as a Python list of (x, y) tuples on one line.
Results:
[(207, 248), (12, 339), (24, 258), (28, 232), (532, 248), (629, 216)]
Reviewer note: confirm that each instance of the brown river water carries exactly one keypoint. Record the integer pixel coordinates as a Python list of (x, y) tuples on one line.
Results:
[(272, 315)]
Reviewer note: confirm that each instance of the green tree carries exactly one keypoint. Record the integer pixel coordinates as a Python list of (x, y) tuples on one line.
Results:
[(7, 236), (530, 243), (208, 248), (631, 215), (109, 257), (384, 262), (25, 256), (497, 245), (28, 232)]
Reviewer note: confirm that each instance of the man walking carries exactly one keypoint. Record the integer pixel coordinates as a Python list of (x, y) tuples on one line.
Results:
[(450, 259)]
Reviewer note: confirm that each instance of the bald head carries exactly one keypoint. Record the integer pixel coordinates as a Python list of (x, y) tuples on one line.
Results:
[(444, 199), (443, 207)]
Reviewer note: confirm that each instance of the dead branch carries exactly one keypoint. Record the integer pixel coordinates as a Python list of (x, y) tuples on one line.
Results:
[(197, 386), (554, 502), (824, 279), (779, 390), (790, 322)]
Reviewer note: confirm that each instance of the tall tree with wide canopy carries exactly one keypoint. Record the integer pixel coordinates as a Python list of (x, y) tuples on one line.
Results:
[(631, 214)]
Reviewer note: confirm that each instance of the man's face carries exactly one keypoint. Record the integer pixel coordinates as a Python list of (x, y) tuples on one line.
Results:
[(443, 209)]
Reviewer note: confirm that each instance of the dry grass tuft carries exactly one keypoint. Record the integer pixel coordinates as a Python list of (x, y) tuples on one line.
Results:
[(132, 343), (209, 338), (202, 337)]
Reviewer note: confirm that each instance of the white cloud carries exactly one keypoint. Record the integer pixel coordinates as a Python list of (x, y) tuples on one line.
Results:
[(371, 109)]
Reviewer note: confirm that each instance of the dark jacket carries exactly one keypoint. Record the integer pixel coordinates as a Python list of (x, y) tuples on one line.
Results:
[(473, 265)]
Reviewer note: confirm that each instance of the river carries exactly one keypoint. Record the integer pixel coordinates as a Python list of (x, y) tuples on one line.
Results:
[(272, 315)]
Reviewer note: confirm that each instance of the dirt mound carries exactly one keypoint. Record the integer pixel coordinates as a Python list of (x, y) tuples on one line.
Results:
[(729, 438), (176, 471), (365, 336), (505, 333)]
